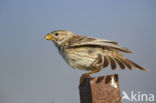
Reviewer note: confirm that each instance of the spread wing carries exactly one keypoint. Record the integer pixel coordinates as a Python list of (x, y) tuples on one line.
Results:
[(113, 58), (111, 55), (79, 41)]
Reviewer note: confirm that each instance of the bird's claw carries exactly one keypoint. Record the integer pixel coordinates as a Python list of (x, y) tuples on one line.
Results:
[(82, 78)]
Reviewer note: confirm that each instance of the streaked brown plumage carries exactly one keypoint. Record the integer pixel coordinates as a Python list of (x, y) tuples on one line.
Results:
[(87, 53)]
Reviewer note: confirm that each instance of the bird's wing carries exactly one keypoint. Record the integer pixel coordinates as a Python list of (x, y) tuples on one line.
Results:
[(111, 52), (113, 57), (79, 41)]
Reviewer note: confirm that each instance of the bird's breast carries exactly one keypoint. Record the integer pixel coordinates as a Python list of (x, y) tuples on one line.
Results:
[(80, 58)]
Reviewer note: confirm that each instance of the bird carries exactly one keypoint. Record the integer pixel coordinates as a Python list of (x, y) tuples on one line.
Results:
[(90, 54)]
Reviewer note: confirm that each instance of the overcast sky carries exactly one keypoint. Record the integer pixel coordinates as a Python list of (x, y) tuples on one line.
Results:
[(32, 71)]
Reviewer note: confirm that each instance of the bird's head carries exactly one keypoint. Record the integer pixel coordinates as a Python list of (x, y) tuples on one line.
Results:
[(59, 36)]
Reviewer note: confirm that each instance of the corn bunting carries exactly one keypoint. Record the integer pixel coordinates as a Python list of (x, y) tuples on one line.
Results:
[(92, 54)]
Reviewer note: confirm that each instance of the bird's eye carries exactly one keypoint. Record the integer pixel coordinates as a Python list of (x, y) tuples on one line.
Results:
[(56, 34)]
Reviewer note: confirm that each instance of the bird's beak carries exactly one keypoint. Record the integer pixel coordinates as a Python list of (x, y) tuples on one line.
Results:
[(48, 37)]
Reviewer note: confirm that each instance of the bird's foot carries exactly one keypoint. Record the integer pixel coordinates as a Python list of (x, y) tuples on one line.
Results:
[(82, 78)]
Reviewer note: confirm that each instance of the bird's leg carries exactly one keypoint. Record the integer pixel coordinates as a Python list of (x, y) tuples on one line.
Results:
[(87, 75), (98, 62), (92, 72)]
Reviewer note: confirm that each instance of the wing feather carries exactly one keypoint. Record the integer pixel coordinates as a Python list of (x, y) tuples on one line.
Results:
[(112, 63), (111, 54), (106, 62), (114, 57), (79, 41), (125, 62), (122, 66)]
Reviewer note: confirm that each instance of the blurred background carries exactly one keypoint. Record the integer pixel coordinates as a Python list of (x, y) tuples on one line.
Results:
[(31, 69)]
